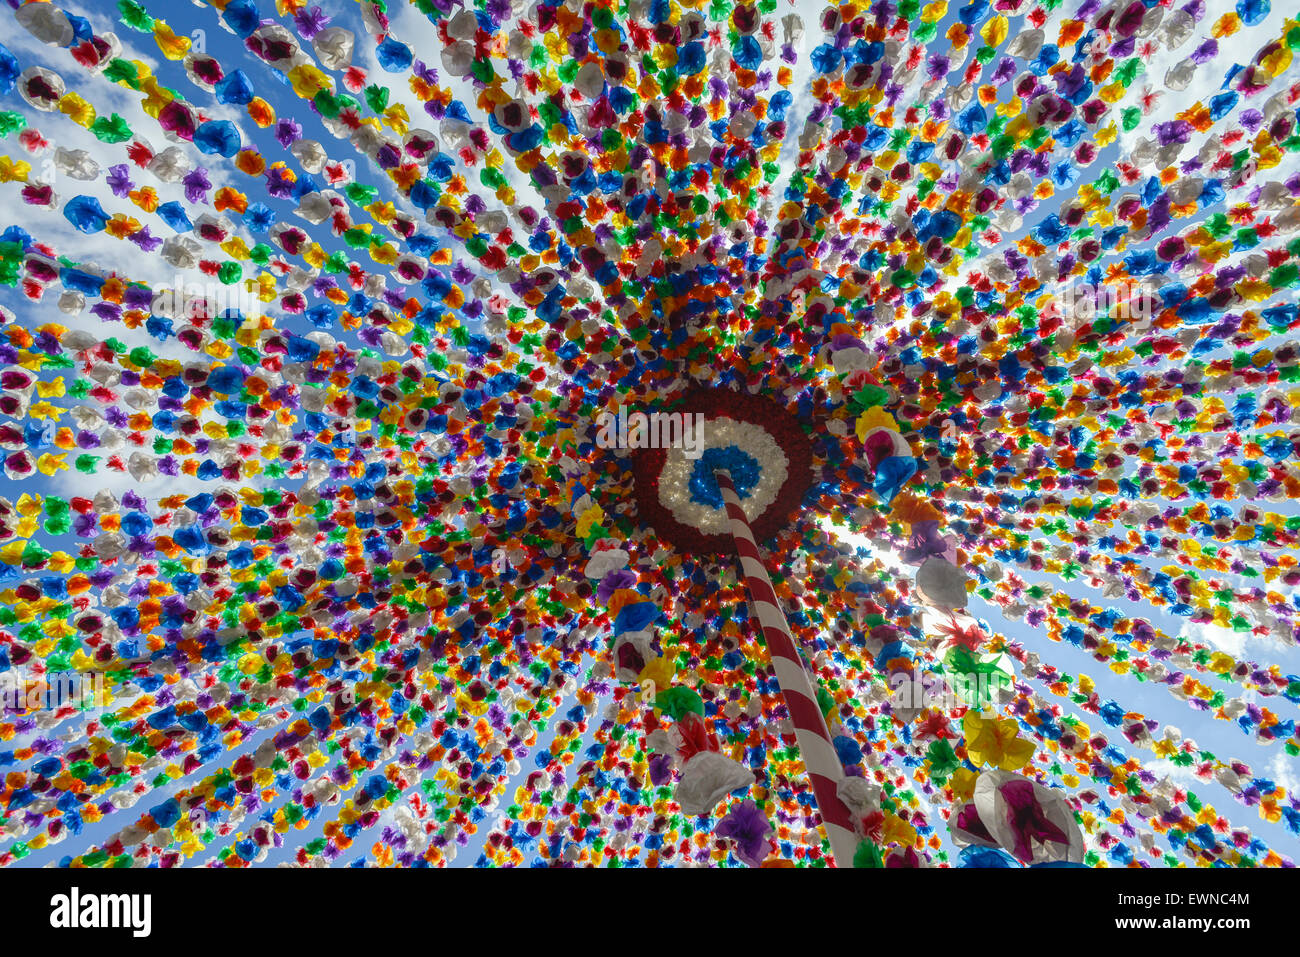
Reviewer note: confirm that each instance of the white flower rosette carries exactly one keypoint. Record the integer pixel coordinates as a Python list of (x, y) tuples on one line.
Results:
[(639, 640), (941, 584), (46, 22), (333, 47), (604, 561), (859, 795), (707, 778), (997, 815)]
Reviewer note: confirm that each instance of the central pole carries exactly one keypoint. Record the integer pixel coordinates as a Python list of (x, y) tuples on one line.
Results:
[(819, 757)]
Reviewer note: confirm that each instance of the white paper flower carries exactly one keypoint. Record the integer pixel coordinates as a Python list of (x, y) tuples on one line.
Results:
[(170, 165), (457, 58), (707, 778), (1008, 826), (850, 360), (46, 22), (941, 583), (77, 164), (605, 561), (333, 47), (907, 696), (310, 154), (859, 795), (640, 641), (52, 88)]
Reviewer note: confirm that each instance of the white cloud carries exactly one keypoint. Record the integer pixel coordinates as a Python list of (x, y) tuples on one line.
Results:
[(1282, 770), (1225, 639), (1181, 775)]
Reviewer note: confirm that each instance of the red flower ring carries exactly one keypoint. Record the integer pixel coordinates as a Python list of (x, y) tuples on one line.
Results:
[(757, 415)]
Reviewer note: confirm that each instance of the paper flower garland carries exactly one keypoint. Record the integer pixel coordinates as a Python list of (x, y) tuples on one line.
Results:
[(303, 351)]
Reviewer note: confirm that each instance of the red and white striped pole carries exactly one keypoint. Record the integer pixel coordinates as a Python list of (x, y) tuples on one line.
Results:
[(819, 757)]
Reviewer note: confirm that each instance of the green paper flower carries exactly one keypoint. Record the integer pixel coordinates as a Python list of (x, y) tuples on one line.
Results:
[(868, 855), (678, 701)]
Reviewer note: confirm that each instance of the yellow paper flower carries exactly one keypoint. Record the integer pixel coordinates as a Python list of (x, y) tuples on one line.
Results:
[(962, 783), (874, 418), (11, 171), (995, 742), (934, 12), (897, 831), (307, 81), (172, 46), (995, 31), (658, 670), (77, 109), (49, 463), (587, 519)]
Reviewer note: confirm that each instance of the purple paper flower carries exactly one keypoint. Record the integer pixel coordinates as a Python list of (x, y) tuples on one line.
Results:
[(1006, 69), (622, 578), (196, 185), (138, 297), (146, 240), (424, 71), (1205, 52), (1069, 83), (288, 131), (310, 22), (119, 180), (926, 541), (108, 311), (748, 827), (661, 769), (1175, 131), (278, 184)]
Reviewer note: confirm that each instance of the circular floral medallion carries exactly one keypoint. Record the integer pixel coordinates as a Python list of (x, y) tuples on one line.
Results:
[(760, 444)]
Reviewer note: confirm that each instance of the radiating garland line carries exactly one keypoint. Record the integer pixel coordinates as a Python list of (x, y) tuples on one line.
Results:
[(1205, 658), (1162, 745)]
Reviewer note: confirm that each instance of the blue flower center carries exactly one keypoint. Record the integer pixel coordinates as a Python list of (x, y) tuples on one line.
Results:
[(744, 468)]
